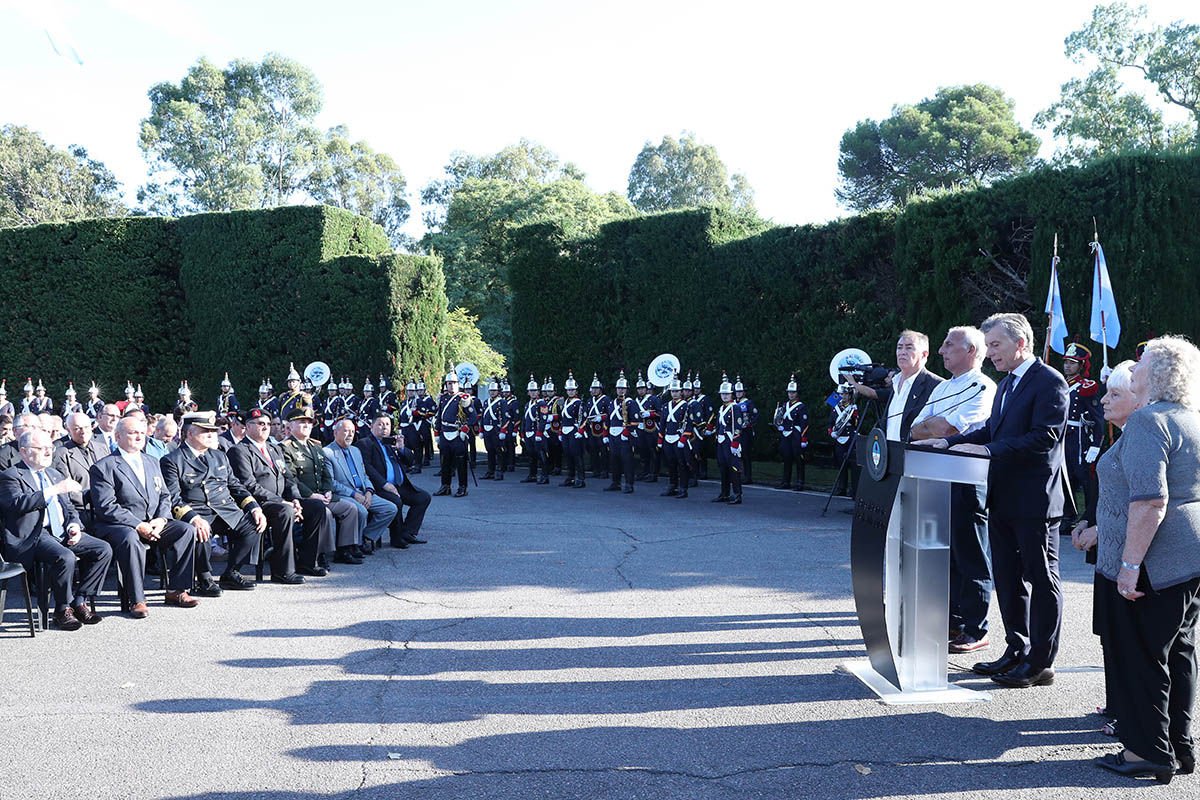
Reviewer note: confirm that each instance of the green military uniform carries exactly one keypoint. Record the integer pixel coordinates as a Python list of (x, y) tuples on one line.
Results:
[(306, 462)]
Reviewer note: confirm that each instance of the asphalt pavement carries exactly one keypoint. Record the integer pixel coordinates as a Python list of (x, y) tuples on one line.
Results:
[(546, 642)]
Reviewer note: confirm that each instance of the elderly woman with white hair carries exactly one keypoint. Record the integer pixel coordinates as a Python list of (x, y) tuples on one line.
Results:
[(1148, 521)]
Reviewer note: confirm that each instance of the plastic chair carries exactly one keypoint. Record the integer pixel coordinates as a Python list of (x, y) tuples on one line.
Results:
[(7, 572)]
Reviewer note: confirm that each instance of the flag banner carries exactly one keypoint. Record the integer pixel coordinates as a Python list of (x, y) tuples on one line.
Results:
[(833, 399), (1106, 325), (1054, 307)]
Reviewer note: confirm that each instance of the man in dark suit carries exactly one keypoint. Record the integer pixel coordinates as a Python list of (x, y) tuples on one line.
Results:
[(75, 457), (911, 386), (259, 465), (388, 470), (130, 505), (1028, 495), (41, 526), (205, 493), (234, 434), (10, 452)]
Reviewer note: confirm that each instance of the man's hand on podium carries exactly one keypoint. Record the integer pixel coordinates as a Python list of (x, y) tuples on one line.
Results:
[(936, 444), (971, 449)]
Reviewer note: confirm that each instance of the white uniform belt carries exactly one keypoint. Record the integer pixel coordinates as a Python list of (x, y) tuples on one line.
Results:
[(1074, 423)]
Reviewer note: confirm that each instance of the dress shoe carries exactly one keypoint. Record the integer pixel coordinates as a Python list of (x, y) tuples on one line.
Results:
[(66, 620), (542, 481), (579, 484), (291, 579), (139, 611), (400, 544), (358, 552), (612, 487), (627, 490), (346, 557), (500, 477), (682, 494), (669, 492), (180, 599), (1024, 676), (85, 614), (232, 581), (735, 500), (962, 643), (316, 572), (462, 491), (784, 485), (415, 540), (1185, 762), (721, 498), (489, 476), (445, 490), (208, 588), (1002, 664), (568, 482), (1134, 769)]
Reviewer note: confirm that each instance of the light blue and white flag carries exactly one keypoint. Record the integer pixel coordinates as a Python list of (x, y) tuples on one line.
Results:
[(1106, 325), (1054, 308)]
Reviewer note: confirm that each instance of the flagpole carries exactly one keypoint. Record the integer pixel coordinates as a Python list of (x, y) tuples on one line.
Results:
[(1099, 288), (1050, 312)]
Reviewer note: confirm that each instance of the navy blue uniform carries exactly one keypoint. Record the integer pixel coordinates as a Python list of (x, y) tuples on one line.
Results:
[(793, 439)]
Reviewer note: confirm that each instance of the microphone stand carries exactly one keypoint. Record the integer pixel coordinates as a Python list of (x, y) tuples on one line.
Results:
[(873, 405)]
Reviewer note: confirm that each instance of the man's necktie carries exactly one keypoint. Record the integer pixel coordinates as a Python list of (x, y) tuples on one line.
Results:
[(1010, 382), (54, 514)]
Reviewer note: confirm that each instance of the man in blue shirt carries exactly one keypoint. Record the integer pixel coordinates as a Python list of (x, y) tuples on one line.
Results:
[(387, 462)]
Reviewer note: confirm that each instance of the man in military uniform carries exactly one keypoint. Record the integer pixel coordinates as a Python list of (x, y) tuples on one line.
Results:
[(750, 412), (227, 402), (731, 422), (6, 408), (843, 423), (492, 420), (573, 419), (649, 410), (598, 408), (369, 408), (185, 404), (266, 400), (139, 401), (350, 401), (1085, 425), (70, 406), (554, 444), (534, 426), (622, 422), (305, 461), (94, 405), (791, 420), (295, 396), (40, 403), (512, 427), (703, 414), (424, 411), (205, 493), (676, 440), (455, 422), (387, 398), (405, 424), (477, 408)]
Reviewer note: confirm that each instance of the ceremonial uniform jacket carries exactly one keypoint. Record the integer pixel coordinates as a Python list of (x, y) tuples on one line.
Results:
[(424, 410), (70, 408), (449, 423), (649, 412), (701, 412), (598, 409), (227, 404), (290, 401), (269, 405), (676, 424), (731, 421), (7, 408), (94, 407), (388, 401), (574, 420), (40, 405), (204, 486), (535, 421), (623, 417), (404, 415), (1085, 421), (306, 464), (554, 405), (494, 413), (794, 420), (751, 412), (513, 420), (368, 409)]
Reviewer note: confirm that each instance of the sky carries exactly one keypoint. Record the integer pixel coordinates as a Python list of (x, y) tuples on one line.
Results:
[(772, 85)]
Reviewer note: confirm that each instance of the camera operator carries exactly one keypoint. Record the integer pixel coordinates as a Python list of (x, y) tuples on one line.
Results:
[(910, 388), (960, 405)]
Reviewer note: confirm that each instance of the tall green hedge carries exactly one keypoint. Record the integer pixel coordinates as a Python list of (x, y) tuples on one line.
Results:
[(721, 293), (159, 300)]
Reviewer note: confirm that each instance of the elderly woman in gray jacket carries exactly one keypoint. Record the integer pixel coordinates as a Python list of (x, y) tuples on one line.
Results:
[(1148, 520)]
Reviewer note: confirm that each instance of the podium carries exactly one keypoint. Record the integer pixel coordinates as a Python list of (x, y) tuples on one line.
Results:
[(900, 567)]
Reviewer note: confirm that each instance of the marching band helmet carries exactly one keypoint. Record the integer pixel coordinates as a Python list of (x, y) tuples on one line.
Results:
[(28, 387), (384, 383), (737, 385), (184, 389), (367, 387), (346, 384), (596, 381), (411, 386), (292, 374), (696, 382), (41, 388), (725, 387), (532, 386), (420, 387), (622, 383), (548, 386), (451, 377), (129, 390), (264, 388), (505, 387), (225, 382), (1081, 354), (687, 385), (307, 386), (641, 382), (93, 390), (4, 388), (138, 394), (675, 385), (493, 385), (70, 389), (570, 383), (792, 386)]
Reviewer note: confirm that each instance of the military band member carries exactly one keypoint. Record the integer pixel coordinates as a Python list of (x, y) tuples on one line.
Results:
[(387, 398), (267, 401), (649, 411), (227, 402), (731, 421), (703, 421), (370, 407), (534, 427), (598, 408), (455, 422), (686, 396), (511, 428), (843, 423), (492, 420), (350, 401), (1085, 425), (751, 413), (185, 404), (70, 406), (573, 421), (406, 423), (40, 403), (295, 396), (28, 398), (94, 404), (676, 440), (554, 443), (791, 420), (622, 422), (6, 408), (424, 411), (477, 407)]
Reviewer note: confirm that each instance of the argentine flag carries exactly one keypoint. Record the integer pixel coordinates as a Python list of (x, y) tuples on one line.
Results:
[(1054, 307), (1106, 325)]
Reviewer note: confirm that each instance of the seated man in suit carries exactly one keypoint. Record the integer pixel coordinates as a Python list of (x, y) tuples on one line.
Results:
[(10, 452), (911, 386), (206, 494), (259, 465), (40, 525), (106, 424), (130, 505), (350, 481), (75, 457), (310, 468), (387, 464)]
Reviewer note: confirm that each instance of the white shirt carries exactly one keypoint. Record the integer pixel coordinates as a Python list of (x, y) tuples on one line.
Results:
[(1017, 374), (966, 411), (895, 409), (134, 460)]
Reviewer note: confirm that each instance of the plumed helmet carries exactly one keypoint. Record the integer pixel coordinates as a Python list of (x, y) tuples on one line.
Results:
[(225, 381), (384, 383), (70, 389), (4, 388), (532, 386), (451, 377), (792, 386), (641, 382), (292, 374), (696, 381), (725, 387), (346, 384), (129, 390), (421, 385), (184, 391), (493, 385), (367, 387), (548, 386), (688, 383), (737, 385), (40, 388), (505, 386), (570, 382), (307, 385), (596, 384), (93, 389), (411, 386), (675, 384), (264, 387), (622, 383), (138, 394), (28, 387)]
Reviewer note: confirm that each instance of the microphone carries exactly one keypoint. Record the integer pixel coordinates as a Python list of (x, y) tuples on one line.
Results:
[(947, 397)]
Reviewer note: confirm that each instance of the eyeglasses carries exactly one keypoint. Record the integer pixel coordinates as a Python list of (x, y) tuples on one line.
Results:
[(38, 449)]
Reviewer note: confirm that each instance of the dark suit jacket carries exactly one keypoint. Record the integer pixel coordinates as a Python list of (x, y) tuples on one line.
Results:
[(225, 441), (10, 455), (119, 498), (204, 487), (24, 508), (266, 480), (372, 458), (1027, 478), (918, 396), (75, 462)]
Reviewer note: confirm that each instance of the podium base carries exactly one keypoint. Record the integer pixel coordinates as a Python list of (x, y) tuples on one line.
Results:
[(892, 696)]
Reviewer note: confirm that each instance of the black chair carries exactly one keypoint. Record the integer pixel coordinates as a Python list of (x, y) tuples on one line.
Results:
[(43, 593), (7, 572)]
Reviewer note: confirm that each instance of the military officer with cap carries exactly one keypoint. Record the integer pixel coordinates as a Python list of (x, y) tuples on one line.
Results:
[(205, 493), (649, 411), (534, 427), (492, 420), (598, 408), (750, 411), (703, 414), (185, 404), (622, 422), (227, 402), (295, 396), (573, 421), (455, 422), (676, 438), (791, 420), (70, 406), (554, 443), (1085, 425), (731, 422), (424, 410)]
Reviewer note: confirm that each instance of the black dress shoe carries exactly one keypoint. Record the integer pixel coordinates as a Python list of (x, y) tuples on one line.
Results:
[(85, 614), (414, 540), (358, 552), (568, 482), (1002, 664), (347, 557), (1185, 762), (669, 492), (316, 572), (368, 547), (322, 561), (721, 498), (627, 490), (529, 479), (682, 494), (1024, 676), (612, 487), (207, 589), (462, 492), (235, 582), (1134, 769), (735, 500), (442, 491), (291, 579), (67, 620), (400, 544), (579, 484)]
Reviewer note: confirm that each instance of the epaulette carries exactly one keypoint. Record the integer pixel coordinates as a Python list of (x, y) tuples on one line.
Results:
[(1088, 388)]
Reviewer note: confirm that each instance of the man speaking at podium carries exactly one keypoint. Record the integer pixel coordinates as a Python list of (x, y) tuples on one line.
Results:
[(911, 387), (1028, 494)]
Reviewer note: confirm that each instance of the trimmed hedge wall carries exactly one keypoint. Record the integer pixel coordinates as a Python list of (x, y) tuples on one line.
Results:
[(158, 300), (720, 294)]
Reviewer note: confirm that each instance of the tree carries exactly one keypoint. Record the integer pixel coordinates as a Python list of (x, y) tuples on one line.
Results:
[(1095, 118), (963, 136), (353, 176), (42, 183), (684, 174), (464, 343)]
